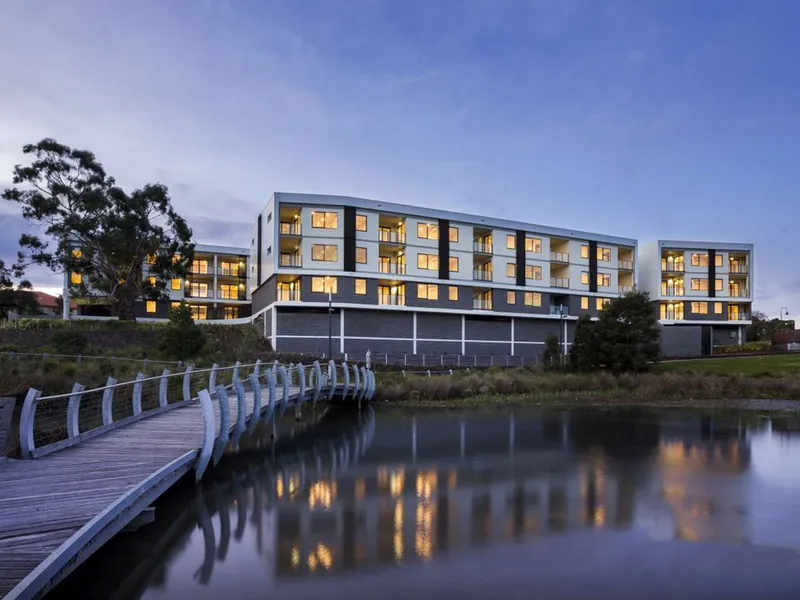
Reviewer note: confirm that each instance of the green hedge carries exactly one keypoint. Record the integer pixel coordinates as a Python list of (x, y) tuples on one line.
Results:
[(747, 347)]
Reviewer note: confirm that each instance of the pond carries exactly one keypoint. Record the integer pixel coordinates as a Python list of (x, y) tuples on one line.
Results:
[(583, 503)]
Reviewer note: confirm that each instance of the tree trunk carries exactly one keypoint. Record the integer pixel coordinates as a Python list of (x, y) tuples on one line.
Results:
[(124, 302)]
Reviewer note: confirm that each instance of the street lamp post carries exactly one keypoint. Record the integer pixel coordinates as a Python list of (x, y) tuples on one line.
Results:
[(784, 312)]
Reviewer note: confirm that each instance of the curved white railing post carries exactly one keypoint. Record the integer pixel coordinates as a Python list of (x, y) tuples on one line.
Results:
[(257, 368), (187, 384), (256, 415), (26, 441), (224, 423), (212, 380), (346, 373), (332, 378), (235, 374), (162, 389), (137, 394), (317, 381), (301, 372), (108, 400), (73, 410), (208, 434), (272, 387), (286, 382), (365, 385), (274, 367), (241, 406), (356, 385)]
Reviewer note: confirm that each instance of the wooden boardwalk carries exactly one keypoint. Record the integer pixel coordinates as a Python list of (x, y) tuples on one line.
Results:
[(45, 502)]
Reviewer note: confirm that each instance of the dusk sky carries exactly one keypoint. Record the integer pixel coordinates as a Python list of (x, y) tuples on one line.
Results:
[(675, 119)]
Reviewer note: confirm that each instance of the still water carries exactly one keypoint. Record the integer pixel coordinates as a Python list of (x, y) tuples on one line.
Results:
[(535, 504)]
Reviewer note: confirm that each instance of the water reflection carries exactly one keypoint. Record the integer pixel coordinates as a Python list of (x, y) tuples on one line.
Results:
[(359, 492)]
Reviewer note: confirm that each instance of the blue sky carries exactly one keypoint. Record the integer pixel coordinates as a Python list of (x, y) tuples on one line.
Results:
[(676, 119)]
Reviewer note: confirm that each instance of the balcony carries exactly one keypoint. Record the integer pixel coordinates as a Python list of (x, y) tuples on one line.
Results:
[(288, 295), (291, 260), (738, 293), (391, 300), (481, 274), (199, 294), (672, 268), (626, 265), (482, 247), (291, 228), (560, 310), (482, 304), (673, 291), (201, 269), (393, 268), (559, 282), (559, 257), (739, 317), (225, 295), (391, 237), (228, 272), (624, 289), (738, 269)]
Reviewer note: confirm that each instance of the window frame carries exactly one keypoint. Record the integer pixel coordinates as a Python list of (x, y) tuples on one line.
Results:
[(604, 280), (535, 271), (363, 283), (511, 297), (701, 262), (150, 307), (322, 278), (363, 250), (511, 270), (533, 299), (698, 304), (325, 216), (585, 280), (450, 264), (427, 291), (359, 219), (431, 231), (584, 302), (450, 235), (452, 291), (511, 241), (585, 251), (325, 249), (428, 259), (536, 244)]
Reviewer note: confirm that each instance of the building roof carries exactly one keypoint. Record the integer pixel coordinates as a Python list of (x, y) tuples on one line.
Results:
[(48, 300)]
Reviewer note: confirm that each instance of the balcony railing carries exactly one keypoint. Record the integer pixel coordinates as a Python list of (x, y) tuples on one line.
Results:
[(229, 272), (680, 268), (624, 289), (672, 315), (482, 247), (739, 317), (559, 310), (738, 269), (291, 260), (201, 270), (740, 293), (673, 291), (288, 295), (223, 295), (291, 228), (481, 275), (392, 237), (559, 257), (394, 268), (481, 304), (626, 265), (559, 282), (392, 299), (190, 294)]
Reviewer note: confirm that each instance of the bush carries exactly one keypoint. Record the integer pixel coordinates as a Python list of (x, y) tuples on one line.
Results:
[(551, 359), (746, 347), (69, 342), (181, 338)]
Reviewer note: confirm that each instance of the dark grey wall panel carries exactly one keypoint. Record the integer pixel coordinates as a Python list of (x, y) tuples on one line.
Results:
[(378, 323), (488, 349), (478, 328), (307, 321), (438, 348), (681, 340), (438, 326)]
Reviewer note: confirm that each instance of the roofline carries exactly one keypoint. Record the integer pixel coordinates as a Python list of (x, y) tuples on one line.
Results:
[(431, 213), (704, 245), (214, 249)]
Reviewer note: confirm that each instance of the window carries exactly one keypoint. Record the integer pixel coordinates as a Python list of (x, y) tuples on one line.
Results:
[(176, 258), (601, 303), (200, 266), (428, 291), (454, 264), (511, 297), (325, 252), (361, 287), (76, 253), (672, 312), (228, 291), (151, 259), (231, 312), (699, 260), (533, 244), (603, 279), (199, 312), (198, 290), (718, 260), (717, 308), (150, 306), (323, 285), (324, 220), (585, 277), (533, 272), (511, 242), (584, 303), (533, 299), (361, 255), (452, 293), (699, 285), (361, 223), (174, 304), (603, 254), (175, 284), (228, 267), (453, 234), (427, 231), (718, 285), (511, 270), (584, 251), (428, 262), (700, 308), (152, 281)]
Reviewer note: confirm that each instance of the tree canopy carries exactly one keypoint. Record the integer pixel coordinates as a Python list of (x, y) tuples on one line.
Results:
[(762, 328), (95, 229), (20, 299)]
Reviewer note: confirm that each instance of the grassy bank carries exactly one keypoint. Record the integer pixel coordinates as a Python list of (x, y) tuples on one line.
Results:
[(528, 387), (776, 365)]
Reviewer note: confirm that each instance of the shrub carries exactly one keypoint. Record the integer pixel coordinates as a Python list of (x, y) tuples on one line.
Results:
[(551, 359), (746, 347), (69, 342), (181, 338)]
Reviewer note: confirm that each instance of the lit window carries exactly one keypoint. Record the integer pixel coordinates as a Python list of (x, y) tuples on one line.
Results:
[(198, 290), (699, 260), (717, 308), (427, 291), (601, 303), (361, 286), (152, 281), (511, 270), (199, 312), (151, 259), (325, 252), (324, 220), (228, 267), (323, 285), (428, 262), (511, 297), (361, 255), (174, 305), (718, 260), (361, 223), (231, 312), (75, 278), (603, 279), (176, 258), (585, 277), (76, 253), (427, 231), (603, 254), (533, 299), (699, 285), (699, 308), (718, 285), (584, 251), (533, 272), (533, 244), (228, 292), (454, 264), (584, 303), (200, 266), (176, 284), (672, 311), (511, 241), (150, 306), (452, 293), (453, 234)]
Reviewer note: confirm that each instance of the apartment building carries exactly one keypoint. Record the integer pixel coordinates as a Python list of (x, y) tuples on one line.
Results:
[(700, 284), (215, 289), (406, 279)]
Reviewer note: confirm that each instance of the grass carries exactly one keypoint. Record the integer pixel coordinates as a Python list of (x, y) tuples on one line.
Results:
[(779, 365)]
